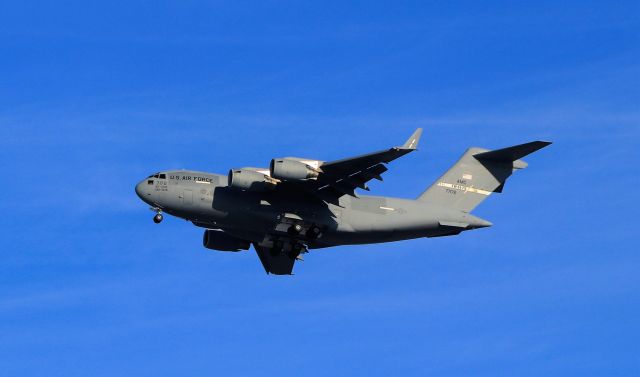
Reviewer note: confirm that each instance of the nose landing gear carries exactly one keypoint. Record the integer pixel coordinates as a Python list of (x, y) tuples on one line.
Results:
[(158, 217)]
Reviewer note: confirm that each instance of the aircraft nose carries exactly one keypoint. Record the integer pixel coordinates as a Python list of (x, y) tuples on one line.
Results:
[(140, 188)]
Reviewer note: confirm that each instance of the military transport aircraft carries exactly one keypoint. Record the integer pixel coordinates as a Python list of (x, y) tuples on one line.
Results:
[(299, 204)]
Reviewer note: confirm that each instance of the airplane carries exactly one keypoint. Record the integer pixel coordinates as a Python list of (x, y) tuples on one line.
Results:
[(298, 204)]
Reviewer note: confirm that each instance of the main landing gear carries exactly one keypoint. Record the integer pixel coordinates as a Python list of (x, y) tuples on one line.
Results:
[(312, 233), (294, 229), (290, 238), (296, 249), (292, 250), (295, 244)]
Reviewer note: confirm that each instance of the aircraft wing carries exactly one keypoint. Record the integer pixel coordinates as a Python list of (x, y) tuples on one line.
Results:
[(342, 177)]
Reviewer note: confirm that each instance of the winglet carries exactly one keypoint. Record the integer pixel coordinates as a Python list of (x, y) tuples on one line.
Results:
[(412, 142)]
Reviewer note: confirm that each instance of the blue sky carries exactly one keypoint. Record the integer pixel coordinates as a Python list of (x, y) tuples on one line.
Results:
[(95, 96)]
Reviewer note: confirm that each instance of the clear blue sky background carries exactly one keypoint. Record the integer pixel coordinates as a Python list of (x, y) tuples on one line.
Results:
[(95, 96)]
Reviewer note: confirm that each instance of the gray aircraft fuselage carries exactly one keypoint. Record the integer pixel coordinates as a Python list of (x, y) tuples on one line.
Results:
[(206, 200), (299, 204)]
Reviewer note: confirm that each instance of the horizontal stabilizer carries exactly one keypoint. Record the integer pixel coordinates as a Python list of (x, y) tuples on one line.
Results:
[(472, 223), (453, 224), (512, 153)]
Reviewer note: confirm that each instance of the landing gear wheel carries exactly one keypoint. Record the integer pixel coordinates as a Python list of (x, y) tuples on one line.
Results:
[(294, 230), (296, 249), (313, 232), (277, 248), (157, 218)]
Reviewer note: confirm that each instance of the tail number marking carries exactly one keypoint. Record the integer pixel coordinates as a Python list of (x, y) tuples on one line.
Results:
[(451, 189)]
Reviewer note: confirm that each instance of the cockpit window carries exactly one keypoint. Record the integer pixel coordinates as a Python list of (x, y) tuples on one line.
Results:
[(163, 176)]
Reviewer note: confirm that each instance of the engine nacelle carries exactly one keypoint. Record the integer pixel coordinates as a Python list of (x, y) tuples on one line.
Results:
[(221, 241), (292, 169), (250, 180)]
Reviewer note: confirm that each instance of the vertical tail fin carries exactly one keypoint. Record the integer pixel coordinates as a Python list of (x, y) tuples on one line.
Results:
[(477, 174)]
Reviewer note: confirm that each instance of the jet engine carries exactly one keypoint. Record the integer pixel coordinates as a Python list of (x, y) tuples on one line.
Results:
[(250, 180), (290, 169), (221, 241)]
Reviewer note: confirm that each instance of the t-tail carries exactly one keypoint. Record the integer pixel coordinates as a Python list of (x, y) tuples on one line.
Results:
[(478, 174)]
